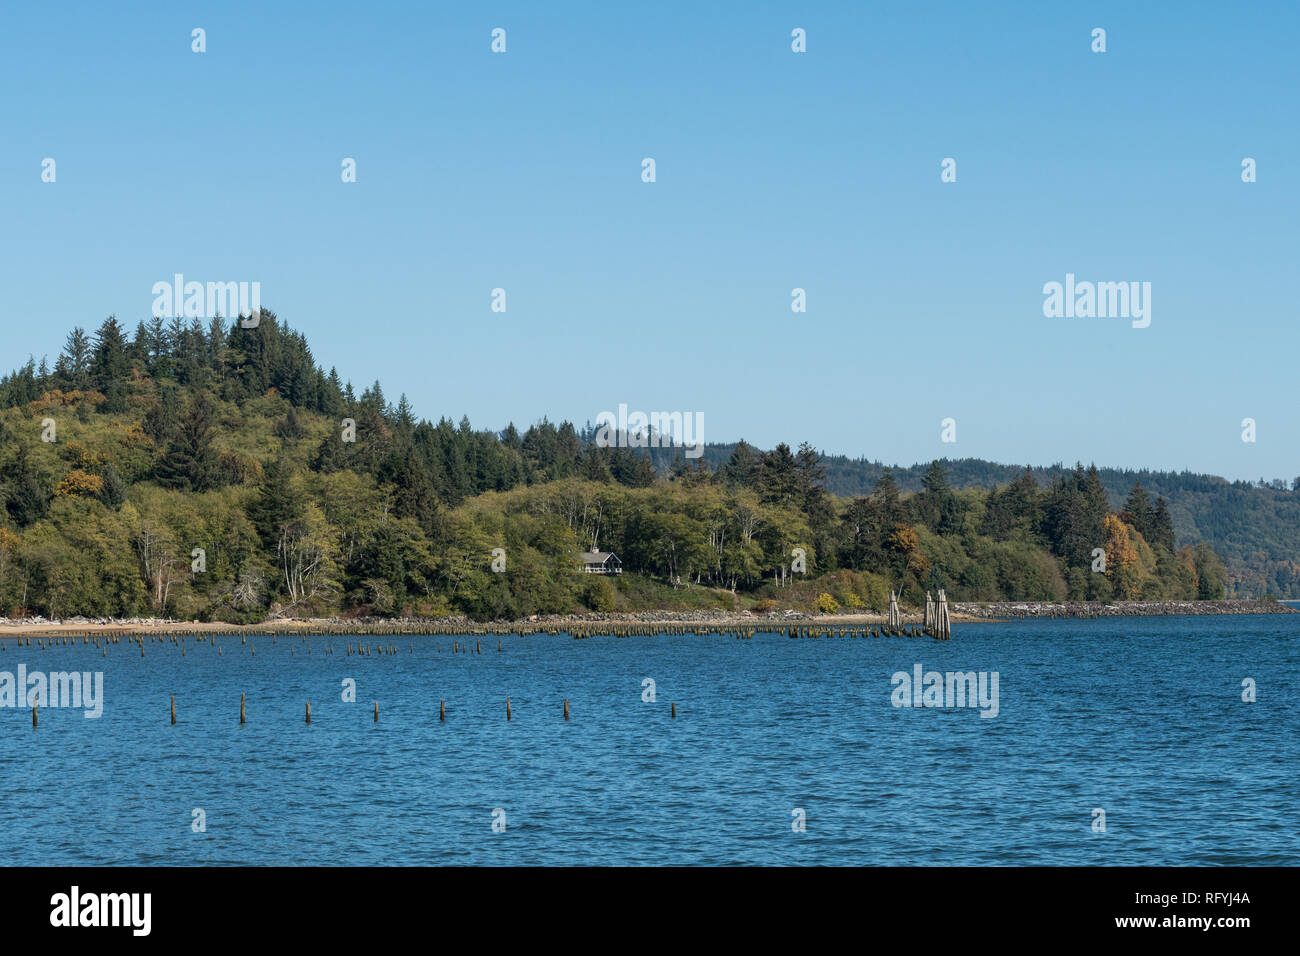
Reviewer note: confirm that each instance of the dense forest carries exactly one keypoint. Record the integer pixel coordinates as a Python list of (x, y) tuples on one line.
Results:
[(214, 471), (1254, 526)]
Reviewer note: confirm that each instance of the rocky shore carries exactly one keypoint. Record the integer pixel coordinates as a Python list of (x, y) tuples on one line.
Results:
[(1003, 610), (962, 612)]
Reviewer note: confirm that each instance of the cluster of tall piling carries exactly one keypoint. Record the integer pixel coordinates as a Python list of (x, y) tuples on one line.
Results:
[(937, 622)]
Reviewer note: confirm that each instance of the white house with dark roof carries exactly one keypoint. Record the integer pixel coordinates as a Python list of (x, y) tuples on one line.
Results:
[(601, 562)]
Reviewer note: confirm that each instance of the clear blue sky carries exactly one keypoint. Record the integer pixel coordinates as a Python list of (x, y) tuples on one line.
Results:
[(775, 170)]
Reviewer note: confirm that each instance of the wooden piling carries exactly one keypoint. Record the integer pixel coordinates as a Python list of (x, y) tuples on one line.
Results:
[(674, 708), (241, 708), (442, 710), (376, 711), (173, 710), (566, 708), (507, 708), (309, 712), (35, 703)]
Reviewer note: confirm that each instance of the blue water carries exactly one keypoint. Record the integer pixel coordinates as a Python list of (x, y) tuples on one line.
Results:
[(1140, 717)]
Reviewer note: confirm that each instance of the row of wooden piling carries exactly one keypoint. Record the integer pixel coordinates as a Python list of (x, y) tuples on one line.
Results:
[(442, 710)]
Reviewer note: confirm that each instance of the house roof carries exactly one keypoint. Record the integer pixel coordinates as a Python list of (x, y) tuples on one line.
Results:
[(597, 557)]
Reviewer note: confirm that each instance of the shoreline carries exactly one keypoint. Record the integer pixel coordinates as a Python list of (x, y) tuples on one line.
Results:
[(639, 621), (1019, 610)]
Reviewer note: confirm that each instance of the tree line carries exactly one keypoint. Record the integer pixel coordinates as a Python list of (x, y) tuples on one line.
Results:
[(217, 472)]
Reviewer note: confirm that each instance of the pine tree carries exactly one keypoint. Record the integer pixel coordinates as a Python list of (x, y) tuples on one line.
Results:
[(114, 491), (27, 500), (108, 366), (189, 463), (742, 467), (77, 353), (289, 428), (594, 466), (405, 414), (887, 499), (1162, 525), (276, 504), (1139, 513), (779, 480)]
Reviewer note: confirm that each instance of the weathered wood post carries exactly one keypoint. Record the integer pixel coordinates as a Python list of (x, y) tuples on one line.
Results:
[(566, 708), (35, 703), (173, 710), (241, 708), (674, 714), (943, 623), (442, 710), (507, 708), (309, 712), (376, 711)]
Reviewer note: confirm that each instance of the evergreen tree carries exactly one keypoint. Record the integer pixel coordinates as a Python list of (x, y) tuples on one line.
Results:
[(1162, 525), (1139, 513), (76, 356), (276, 505), (742, 467), (108, 366), (27, 500), (779, 478), (113, 491), (189, 463), (289, 428), (888, 502), (594, 466)]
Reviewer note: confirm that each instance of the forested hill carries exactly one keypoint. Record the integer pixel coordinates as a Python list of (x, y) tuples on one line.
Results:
[(1255, 526), (215, 471)]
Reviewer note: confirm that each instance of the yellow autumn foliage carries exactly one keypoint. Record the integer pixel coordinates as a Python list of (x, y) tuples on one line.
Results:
[(80, 484)]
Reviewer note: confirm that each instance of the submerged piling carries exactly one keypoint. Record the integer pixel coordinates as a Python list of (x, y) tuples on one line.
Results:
[(241, 708)]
